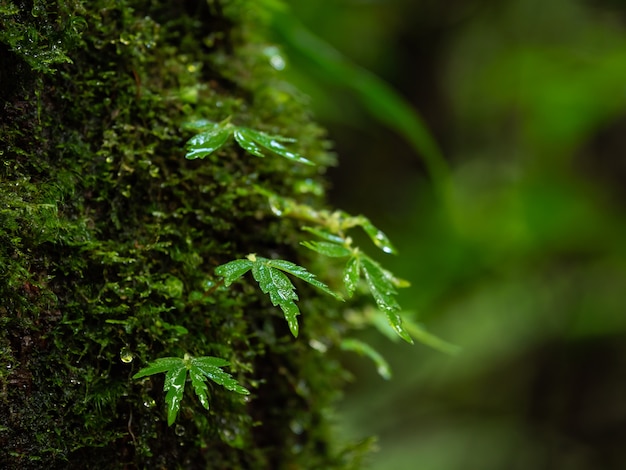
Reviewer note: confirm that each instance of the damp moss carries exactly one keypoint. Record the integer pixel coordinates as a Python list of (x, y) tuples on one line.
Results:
[(109, 239)]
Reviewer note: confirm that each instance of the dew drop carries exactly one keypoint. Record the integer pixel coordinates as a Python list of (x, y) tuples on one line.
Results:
[(126, 356), (179, 430)]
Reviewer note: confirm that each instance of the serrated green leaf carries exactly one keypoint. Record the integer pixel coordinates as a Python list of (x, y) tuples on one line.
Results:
[(382, 366), (199, 386), (395, 320), (273, 144), (160, 365), (301, 273), (233, 270), (351, 275), (274, 283), (205, 143), (384, 293), (281, 291), (376, 235), (246, 142), (330, 249), (209, 361), (174, 386), (291, 311), (268, 273), (199, 125), (200, 368), (220, 377), (380, 286)]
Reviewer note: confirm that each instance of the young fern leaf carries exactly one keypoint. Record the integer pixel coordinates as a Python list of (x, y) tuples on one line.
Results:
[(351, 274), (200, 369), (270, 275), (330, 249), (383, 290), (207, 142), (255, 141), (214, 136), (377, 236), (335, 223), (381, 283)]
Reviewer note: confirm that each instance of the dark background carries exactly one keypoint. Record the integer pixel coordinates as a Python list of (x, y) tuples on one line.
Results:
[(527, 275)]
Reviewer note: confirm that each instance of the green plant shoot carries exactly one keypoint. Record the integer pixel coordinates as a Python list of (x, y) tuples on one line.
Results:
[(200, 369), (381, 283), (214, 136), (269, 273)]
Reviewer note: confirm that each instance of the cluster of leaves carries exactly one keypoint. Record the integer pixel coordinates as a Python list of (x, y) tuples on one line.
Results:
[(271, 274), (381, 283), (200, 369), (213, 136)]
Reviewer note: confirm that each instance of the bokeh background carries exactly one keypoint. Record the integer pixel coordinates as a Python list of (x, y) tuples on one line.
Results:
[(524, 267)]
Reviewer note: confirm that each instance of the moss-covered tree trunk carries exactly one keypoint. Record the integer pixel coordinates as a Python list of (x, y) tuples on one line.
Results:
[(109, 239)]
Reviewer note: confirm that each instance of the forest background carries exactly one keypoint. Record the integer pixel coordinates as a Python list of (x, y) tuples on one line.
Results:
[(527, 99)]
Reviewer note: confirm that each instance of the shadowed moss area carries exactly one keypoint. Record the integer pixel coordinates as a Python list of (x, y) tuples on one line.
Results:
[(109, 238)]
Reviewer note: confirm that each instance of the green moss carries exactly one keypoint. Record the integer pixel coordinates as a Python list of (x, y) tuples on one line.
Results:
[(109, 238)]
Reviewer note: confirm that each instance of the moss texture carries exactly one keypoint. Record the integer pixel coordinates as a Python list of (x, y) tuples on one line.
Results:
[(109, 239)]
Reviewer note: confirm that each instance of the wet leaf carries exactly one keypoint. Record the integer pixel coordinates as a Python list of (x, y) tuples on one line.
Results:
[(272, 280), (174, 386), (383, 291), (200, 369), (395, 321), (301, 273), (199, 125), (160, 365), (248, 144), (210, 367), (205, 143), (351, 275), (213, 136), (330, 249), (281, 291), (233, 270), (252, 139), (377, 236)]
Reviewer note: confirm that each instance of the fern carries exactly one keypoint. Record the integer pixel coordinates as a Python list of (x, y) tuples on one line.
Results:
[(269, 273), (213, 136), (381, 283), (200, 369)]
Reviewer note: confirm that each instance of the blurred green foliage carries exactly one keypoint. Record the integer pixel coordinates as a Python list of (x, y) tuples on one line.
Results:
[(526, 266)]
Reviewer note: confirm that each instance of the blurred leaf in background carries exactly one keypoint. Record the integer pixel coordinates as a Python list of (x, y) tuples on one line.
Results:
[(527, 270)]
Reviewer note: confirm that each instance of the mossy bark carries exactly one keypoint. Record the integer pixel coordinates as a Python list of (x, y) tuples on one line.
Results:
[(109, 239)]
